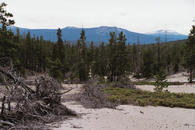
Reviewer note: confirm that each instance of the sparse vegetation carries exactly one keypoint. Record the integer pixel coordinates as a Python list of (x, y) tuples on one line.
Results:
[(93, 94), (144, 98), (160, 82), (153, 83)]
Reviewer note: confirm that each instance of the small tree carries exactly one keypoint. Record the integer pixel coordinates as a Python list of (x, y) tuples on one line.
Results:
[(82, 66), (161, 81), (190, 53), (56, 69), (5, 17)]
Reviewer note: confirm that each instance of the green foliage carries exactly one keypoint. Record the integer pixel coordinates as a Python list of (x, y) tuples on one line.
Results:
[(160, 82), (56, 69), (148, 63), (8, 47), (5, 17), (83, 71), (153, 83), (190, 53), (117, 56), (113, 59), (83, 64), (144, 98)]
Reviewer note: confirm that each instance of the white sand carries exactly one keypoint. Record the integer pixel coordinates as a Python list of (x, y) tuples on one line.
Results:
[(128, 117), (178, 77), (186, 88)]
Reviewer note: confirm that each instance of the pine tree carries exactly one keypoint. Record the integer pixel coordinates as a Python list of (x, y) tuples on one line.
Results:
[(112, 56), (148, 63), (83, 67), (83, 46), (117, 56), (60, 46), (158, 54), (55, 70), (5, 17), (58, 58), (8, 46), (190, 53), (103, 60), (121, 55)]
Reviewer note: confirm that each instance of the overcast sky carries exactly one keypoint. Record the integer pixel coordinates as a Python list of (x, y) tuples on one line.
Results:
[(134, 15)]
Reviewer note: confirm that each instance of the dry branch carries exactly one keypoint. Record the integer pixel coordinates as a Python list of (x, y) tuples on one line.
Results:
[(93, 94), (43, 104)]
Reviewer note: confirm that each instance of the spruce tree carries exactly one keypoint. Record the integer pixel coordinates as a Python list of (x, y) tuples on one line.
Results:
[(83, 67), (117, 56), (190, 53), (57, 63), (5, 17), (121, 55), (8, 46), (112, 56), (148, 63)]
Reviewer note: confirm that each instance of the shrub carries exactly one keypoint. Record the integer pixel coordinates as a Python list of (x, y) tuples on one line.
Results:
[(144, 98)]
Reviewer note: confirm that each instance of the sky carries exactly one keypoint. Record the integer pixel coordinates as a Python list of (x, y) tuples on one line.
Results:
[(135, 15)]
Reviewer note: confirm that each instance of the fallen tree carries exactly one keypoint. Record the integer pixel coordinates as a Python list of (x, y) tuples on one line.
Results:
[(22, 104), (93, 94)]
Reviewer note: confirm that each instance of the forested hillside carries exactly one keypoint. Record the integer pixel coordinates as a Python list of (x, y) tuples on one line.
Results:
[(31, 53), (80, 61)]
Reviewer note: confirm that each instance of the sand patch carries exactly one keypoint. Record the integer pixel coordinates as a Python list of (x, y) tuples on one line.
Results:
[(186, 88), (128, 117)]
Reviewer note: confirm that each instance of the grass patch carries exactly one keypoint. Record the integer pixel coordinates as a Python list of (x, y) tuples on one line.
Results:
[(153, 83), (144, 98)]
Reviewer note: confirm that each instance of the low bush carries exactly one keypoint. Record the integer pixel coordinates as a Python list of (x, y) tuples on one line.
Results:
[(144, 98), (153, 83)]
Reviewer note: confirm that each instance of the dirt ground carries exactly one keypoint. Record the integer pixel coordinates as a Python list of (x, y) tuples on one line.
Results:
[(179, 77), (186, 88), (129, 117)]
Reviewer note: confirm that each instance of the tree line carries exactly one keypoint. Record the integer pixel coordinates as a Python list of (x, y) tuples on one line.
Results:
[(82, 61)]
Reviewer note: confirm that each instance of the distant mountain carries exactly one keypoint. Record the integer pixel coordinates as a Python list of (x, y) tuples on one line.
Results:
[(100, 34), (168, 35)]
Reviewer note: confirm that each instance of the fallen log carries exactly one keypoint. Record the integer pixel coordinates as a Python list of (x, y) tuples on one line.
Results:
[(43, 106), (7, 123), (16, 80)]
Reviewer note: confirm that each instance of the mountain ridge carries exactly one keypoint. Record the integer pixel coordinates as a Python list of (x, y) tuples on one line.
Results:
[(100, 34)]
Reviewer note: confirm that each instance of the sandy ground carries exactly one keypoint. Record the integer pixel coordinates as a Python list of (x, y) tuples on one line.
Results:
[(178, 77), (186, 88), (128, 117)]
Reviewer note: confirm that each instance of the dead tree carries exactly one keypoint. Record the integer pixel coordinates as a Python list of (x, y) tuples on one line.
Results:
[(41, 104)]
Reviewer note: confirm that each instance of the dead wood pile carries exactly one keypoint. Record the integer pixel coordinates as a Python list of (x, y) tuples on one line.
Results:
[(93, 95), (21, 104)]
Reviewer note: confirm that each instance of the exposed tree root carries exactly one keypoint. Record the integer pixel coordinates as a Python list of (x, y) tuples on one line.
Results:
[(42, 104)]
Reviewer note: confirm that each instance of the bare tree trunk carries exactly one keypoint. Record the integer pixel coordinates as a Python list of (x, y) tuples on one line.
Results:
[(190, 76), (3, 106), (9, 104)]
